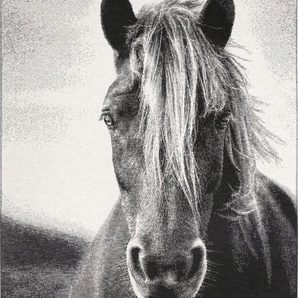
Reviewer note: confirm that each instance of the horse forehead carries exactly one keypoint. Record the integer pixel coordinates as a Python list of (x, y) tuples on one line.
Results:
[(124, 81)]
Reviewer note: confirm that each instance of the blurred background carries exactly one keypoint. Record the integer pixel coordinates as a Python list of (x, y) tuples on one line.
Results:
[(57, 66)]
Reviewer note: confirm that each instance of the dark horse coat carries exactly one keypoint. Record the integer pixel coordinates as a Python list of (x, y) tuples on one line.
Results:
[(236, 248), (195, 217)]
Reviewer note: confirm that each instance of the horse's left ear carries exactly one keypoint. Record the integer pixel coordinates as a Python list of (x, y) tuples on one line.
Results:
[(116, 16), (217, 19)]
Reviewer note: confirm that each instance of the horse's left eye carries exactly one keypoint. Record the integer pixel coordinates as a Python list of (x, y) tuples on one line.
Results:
[(223, 119)]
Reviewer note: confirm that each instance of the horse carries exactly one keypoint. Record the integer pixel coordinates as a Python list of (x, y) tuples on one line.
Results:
[(195, 217)]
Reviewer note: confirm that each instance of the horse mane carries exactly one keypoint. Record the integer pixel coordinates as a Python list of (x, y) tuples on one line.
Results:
[(175, 64)]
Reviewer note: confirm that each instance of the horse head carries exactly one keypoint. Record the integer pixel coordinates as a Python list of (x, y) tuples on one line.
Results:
[(168, 114)]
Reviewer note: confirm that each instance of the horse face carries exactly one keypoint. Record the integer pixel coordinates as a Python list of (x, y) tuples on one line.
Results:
[(166, 255)]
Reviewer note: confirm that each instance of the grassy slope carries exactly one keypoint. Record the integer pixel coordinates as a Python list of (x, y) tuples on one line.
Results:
[(37, 262)]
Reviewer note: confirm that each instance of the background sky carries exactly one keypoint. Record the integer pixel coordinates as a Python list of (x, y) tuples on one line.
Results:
[(57, 66)]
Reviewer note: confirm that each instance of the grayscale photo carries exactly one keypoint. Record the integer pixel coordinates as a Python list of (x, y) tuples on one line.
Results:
[(149, 149)]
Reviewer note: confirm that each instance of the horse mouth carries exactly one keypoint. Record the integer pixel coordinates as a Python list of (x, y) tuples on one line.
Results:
[(162, 291)]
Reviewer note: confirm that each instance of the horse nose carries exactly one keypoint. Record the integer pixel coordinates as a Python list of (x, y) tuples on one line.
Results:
[(168, 268)]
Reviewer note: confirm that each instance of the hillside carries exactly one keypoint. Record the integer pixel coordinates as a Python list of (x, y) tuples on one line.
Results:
[(37, 262)]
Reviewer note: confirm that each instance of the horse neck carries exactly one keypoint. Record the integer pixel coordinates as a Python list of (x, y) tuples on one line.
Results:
[(225, 231)]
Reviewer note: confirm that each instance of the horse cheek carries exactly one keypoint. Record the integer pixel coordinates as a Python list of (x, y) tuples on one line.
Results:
[(128, 170), (210, 152)]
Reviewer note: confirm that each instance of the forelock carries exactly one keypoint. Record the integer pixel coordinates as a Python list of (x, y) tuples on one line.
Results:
[(181, 76)]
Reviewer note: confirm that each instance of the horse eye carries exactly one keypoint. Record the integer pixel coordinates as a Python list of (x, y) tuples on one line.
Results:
[(223, 120), (108, 121)]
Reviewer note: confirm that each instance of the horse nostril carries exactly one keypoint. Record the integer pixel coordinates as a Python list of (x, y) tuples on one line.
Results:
[(135, 262), (198, 256), (142, 267), (150, 269)]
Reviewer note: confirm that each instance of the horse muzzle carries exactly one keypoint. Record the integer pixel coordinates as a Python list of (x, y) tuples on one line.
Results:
[(170, 274)]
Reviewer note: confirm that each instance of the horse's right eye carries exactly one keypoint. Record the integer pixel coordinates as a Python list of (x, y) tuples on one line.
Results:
[(108, 120)]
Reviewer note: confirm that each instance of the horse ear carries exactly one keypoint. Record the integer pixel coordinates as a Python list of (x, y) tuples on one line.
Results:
[(116, 16), (217, 19)]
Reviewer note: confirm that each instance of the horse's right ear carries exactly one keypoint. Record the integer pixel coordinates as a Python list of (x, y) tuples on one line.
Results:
[(116, 16)]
